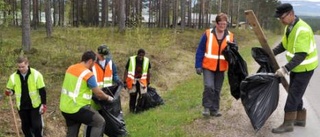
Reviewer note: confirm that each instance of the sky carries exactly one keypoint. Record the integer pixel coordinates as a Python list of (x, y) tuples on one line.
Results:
[(305, 7)]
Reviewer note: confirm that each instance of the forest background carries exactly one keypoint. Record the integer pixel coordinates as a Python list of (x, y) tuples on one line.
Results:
[(169, 30)]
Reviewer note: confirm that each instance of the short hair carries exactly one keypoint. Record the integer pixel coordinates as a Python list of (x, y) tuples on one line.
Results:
[(221, 17), (22, 59), (86, 56), (141, 51)]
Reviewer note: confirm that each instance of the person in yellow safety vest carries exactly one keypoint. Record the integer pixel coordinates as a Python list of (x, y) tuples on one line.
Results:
[(105, 71), (78, 85), (301, 52), (28, 86), (210, 61), (137, 77)]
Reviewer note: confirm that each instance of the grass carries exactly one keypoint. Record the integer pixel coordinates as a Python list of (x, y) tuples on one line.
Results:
[(172, 61)]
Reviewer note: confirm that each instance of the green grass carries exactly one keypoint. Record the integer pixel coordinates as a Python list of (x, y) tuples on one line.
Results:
[(172, 60)]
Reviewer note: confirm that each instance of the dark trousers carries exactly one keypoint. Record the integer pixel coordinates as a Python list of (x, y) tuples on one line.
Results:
[(213, 81), (297, 87), (31, 122), (133, 98), (85, 115), (88, 128)]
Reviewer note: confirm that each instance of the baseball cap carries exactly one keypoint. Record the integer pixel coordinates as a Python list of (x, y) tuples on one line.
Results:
[(283, 8)]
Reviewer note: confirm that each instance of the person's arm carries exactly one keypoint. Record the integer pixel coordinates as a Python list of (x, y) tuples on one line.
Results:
[(148, 74), (115, 77), (296, 60), (43, 95), (200, 51), (96, 90), (126, 71), (278, 49)]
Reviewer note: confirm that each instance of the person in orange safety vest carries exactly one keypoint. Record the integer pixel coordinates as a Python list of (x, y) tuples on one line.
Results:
[(105, 71), (137, 77), (210, 61)]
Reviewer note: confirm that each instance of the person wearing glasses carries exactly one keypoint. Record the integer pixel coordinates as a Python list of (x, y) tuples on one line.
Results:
[(210, 61), (301, 53)]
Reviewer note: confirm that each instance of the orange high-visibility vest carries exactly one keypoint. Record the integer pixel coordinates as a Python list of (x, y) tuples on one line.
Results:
[(131, 71), (103, 76), (213, 54)]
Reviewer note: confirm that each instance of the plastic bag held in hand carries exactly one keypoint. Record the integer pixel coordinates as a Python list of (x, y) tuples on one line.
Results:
[(281, 72), (110, 99), (199, 71), (43, 109), (8, 92)]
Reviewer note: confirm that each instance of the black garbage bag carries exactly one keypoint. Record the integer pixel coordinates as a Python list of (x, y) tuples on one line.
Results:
[(112, 113), (263, 59), (149, 100), (260, 96), (237, 70)]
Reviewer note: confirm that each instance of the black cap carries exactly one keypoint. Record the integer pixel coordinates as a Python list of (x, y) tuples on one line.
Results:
[(103, 49), (283, 8)]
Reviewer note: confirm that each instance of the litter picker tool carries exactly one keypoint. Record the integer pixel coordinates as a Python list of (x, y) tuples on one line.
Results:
[(14, 116)]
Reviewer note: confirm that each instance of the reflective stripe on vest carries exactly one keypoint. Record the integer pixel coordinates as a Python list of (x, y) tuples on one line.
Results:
[(103, 76), (35, 82), (213, 52), (301, 34), (131, 72), (76, 91)]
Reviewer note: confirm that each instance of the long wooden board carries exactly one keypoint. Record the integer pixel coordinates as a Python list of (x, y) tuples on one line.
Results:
[(253, 22)]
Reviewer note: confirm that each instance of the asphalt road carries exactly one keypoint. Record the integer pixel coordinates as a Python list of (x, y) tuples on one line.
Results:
[(311, 103)]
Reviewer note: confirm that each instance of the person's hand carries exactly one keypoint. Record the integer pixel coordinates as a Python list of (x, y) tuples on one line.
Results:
[(143, 90), (110, 99), (43, 109), (8, 92), (281, 72), (199, 71)]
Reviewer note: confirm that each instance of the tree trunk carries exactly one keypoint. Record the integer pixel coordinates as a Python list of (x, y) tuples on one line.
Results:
[(48, 18), (25, 11), (122, 16), (35, 14)]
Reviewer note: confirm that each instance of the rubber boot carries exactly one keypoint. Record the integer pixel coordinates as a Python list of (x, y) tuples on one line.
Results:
[(301, 118), (287, 125)]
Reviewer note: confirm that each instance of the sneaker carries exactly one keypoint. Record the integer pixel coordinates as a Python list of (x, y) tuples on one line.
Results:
[(215, 114), (206, 112)]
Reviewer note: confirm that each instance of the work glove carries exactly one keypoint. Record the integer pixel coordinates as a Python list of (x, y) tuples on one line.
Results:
[(43, 109), (110, 98), (199, 71), (143, 90), (281, 72), (8, 92)]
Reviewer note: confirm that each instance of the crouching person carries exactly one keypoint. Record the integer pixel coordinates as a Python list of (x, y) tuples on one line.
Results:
[(78, 85)]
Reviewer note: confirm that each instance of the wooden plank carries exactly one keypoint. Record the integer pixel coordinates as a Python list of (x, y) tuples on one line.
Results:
[(253, 22)]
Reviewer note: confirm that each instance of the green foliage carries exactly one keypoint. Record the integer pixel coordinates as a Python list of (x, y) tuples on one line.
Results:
[(172, 58)]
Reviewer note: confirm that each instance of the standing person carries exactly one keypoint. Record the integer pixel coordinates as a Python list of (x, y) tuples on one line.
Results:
[(137, 77), (78, 85), (210, 61), (105, 71), (298, 41), (28, 86)]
